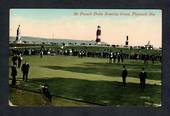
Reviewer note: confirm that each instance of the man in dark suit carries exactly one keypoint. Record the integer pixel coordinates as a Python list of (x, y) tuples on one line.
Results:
[(14, 74), (111, 57), (124, 75), (118, 57), (142, 76), (25, 70), (14, 59), (19, 60), (114, 57)]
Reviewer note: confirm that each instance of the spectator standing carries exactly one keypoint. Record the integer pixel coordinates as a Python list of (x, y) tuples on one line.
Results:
[(124, 75), (142, 76), (19, 60), (25, 70), (14, 74)]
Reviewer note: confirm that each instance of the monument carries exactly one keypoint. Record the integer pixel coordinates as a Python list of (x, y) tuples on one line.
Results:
[(98, 34), (18, 36)]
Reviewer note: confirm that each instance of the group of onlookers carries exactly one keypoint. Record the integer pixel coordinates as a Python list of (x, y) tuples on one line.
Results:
[(16, 65), (142, 76)]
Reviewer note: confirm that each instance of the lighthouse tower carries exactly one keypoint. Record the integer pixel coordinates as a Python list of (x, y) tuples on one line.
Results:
[(98, 35), (127, 41)]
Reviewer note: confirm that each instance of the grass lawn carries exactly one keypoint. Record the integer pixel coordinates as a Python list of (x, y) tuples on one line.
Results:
[(90, 80), (27, 98)]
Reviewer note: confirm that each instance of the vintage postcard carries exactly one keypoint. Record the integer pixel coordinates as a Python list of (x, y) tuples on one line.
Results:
[(85, 57)]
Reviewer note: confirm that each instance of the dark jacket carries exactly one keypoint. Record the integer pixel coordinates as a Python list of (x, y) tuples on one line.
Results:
[(124, 73), (142, 75), (25, 68), (14, 71)]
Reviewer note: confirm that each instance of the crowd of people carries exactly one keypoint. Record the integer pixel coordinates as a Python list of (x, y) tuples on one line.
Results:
[(16, 65), (114, 57)]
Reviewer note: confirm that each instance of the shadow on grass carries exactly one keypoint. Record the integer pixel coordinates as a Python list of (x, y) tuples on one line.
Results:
[(127, 64), (22, 97), (101, 92), (106, 69)]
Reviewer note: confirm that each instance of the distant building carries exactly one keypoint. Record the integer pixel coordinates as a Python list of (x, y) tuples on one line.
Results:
[(148, 46)]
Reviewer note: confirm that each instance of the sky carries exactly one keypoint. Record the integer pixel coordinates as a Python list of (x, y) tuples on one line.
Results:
[(140, 26)]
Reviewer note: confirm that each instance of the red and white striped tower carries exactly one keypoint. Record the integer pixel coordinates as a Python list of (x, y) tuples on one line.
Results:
[(98, 35)]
